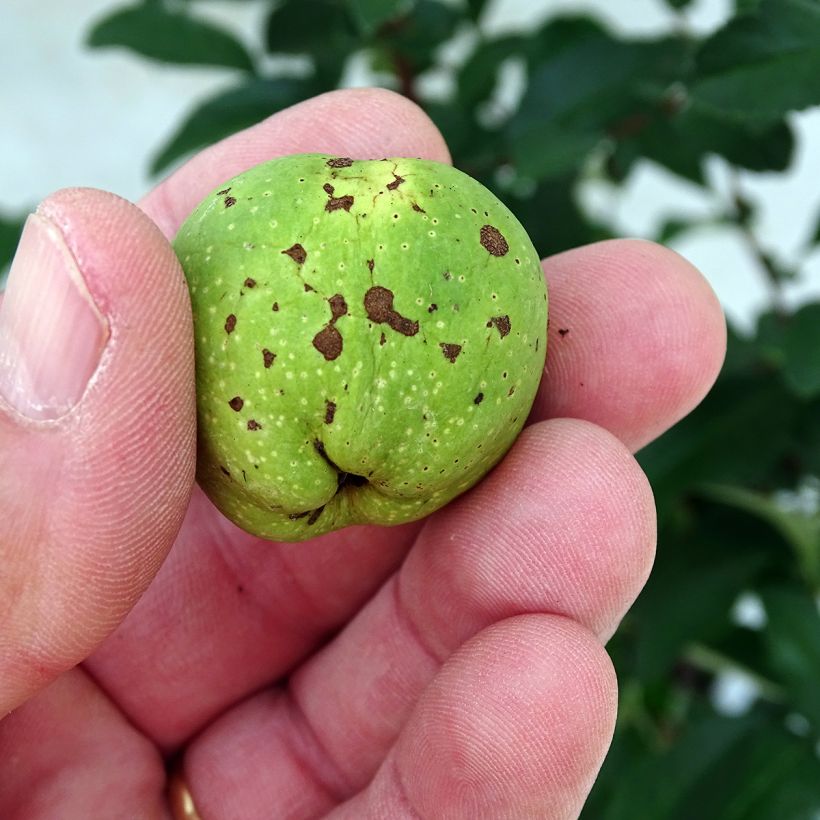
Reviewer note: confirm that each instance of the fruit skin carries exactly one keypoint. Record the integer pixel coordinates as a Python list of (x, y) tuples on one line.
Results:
[(370, 335)]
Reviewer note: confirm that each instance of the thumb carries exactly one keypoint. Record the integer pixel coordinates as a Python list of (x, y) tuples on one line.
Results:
[(97, 429)]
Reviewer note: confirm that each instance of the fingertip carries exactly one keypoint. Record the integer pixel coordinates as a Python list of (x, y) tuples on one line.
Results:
[(520, 718), (363, 123), (637, 337)]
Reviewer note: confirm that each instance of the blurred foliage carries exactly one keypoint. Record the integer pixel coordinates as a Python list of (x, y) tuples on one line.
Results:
[(737, 481)]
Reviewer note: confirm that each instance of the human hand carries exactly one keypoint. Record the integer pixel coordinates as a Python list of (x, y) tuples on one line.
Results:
[(452, 668)]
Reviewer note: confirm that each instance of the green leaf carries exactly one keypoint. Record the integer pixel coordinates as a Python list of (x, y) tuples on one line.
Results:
[(800, 531), (793, 640), (227, 113), (737, 435), (476, 8), (801, 346), (321, 28), (170, 36), (544, 153), (477, 77), (370, 14), (586, 85), (10, 230), (720, 768), (412, 40), (682, 141), (762, 64)]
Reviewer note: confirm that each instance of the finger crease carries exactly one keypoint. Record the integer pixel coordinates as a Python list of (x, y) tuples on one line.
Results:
[(312, 756), (409, 625)]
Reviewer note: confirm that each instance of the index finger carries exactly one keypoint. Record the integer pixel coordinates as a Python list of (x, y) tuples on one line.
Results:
[(363, 123)]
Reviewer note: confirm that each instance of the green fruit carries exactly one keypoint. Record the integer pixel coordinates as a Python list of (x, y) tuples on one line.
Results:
[(370, 336)]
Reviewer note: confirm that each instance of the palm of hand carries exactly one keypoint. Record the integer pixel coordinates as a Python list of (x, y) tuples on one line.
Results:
[(447, 669)]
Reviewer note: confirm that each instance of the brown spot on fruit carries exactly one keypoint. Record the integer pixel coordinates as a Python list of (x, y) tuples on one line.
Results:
[(223, 192), (383, 340), (450, 351), (230, 201), (249, 283), (340, 162), (502, 324), (253, 424), (275, 307), (562, 331), (337, 203), (236, 403), (268, 357), (309, 288), (493, 241), (478, 399), (330, 411), (230, 323), (432, 307), (447, 276), (371, 264), (297, 253), (328, 342), (511, 391), (225, 471), (418, 209), (378, 304), (297, 516), (338, 306), (397, 180)]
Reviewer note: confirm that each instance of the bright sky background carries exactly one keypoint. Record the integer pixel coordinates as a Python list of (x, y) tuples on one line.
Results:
[(72, 117)]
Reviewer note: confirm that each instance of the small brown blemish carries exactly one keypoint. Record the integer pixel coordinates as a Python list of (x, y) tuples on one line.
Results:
[(502, 324), (478, 399), (493, 241), (223, 192), (330, 411), (336, 203), (338, 306), (275, 307), (297, 516), (328, 341), (511, 391), (344, 203), (378, 304), (230, 201), (253, 424), (297, 253), (447, 275), (418, 209), (432, 307), (236, 403), (383, 339), (230, 323), (268, 357), (562, 331), (249, 283), (340, 162), (450, 351), (309, 288), (371, 264), (225, 471), (397, 180)]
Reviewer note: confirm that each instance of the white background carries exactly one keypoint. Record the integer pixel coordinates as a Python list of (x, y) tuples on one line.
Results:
[(75, 117)]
